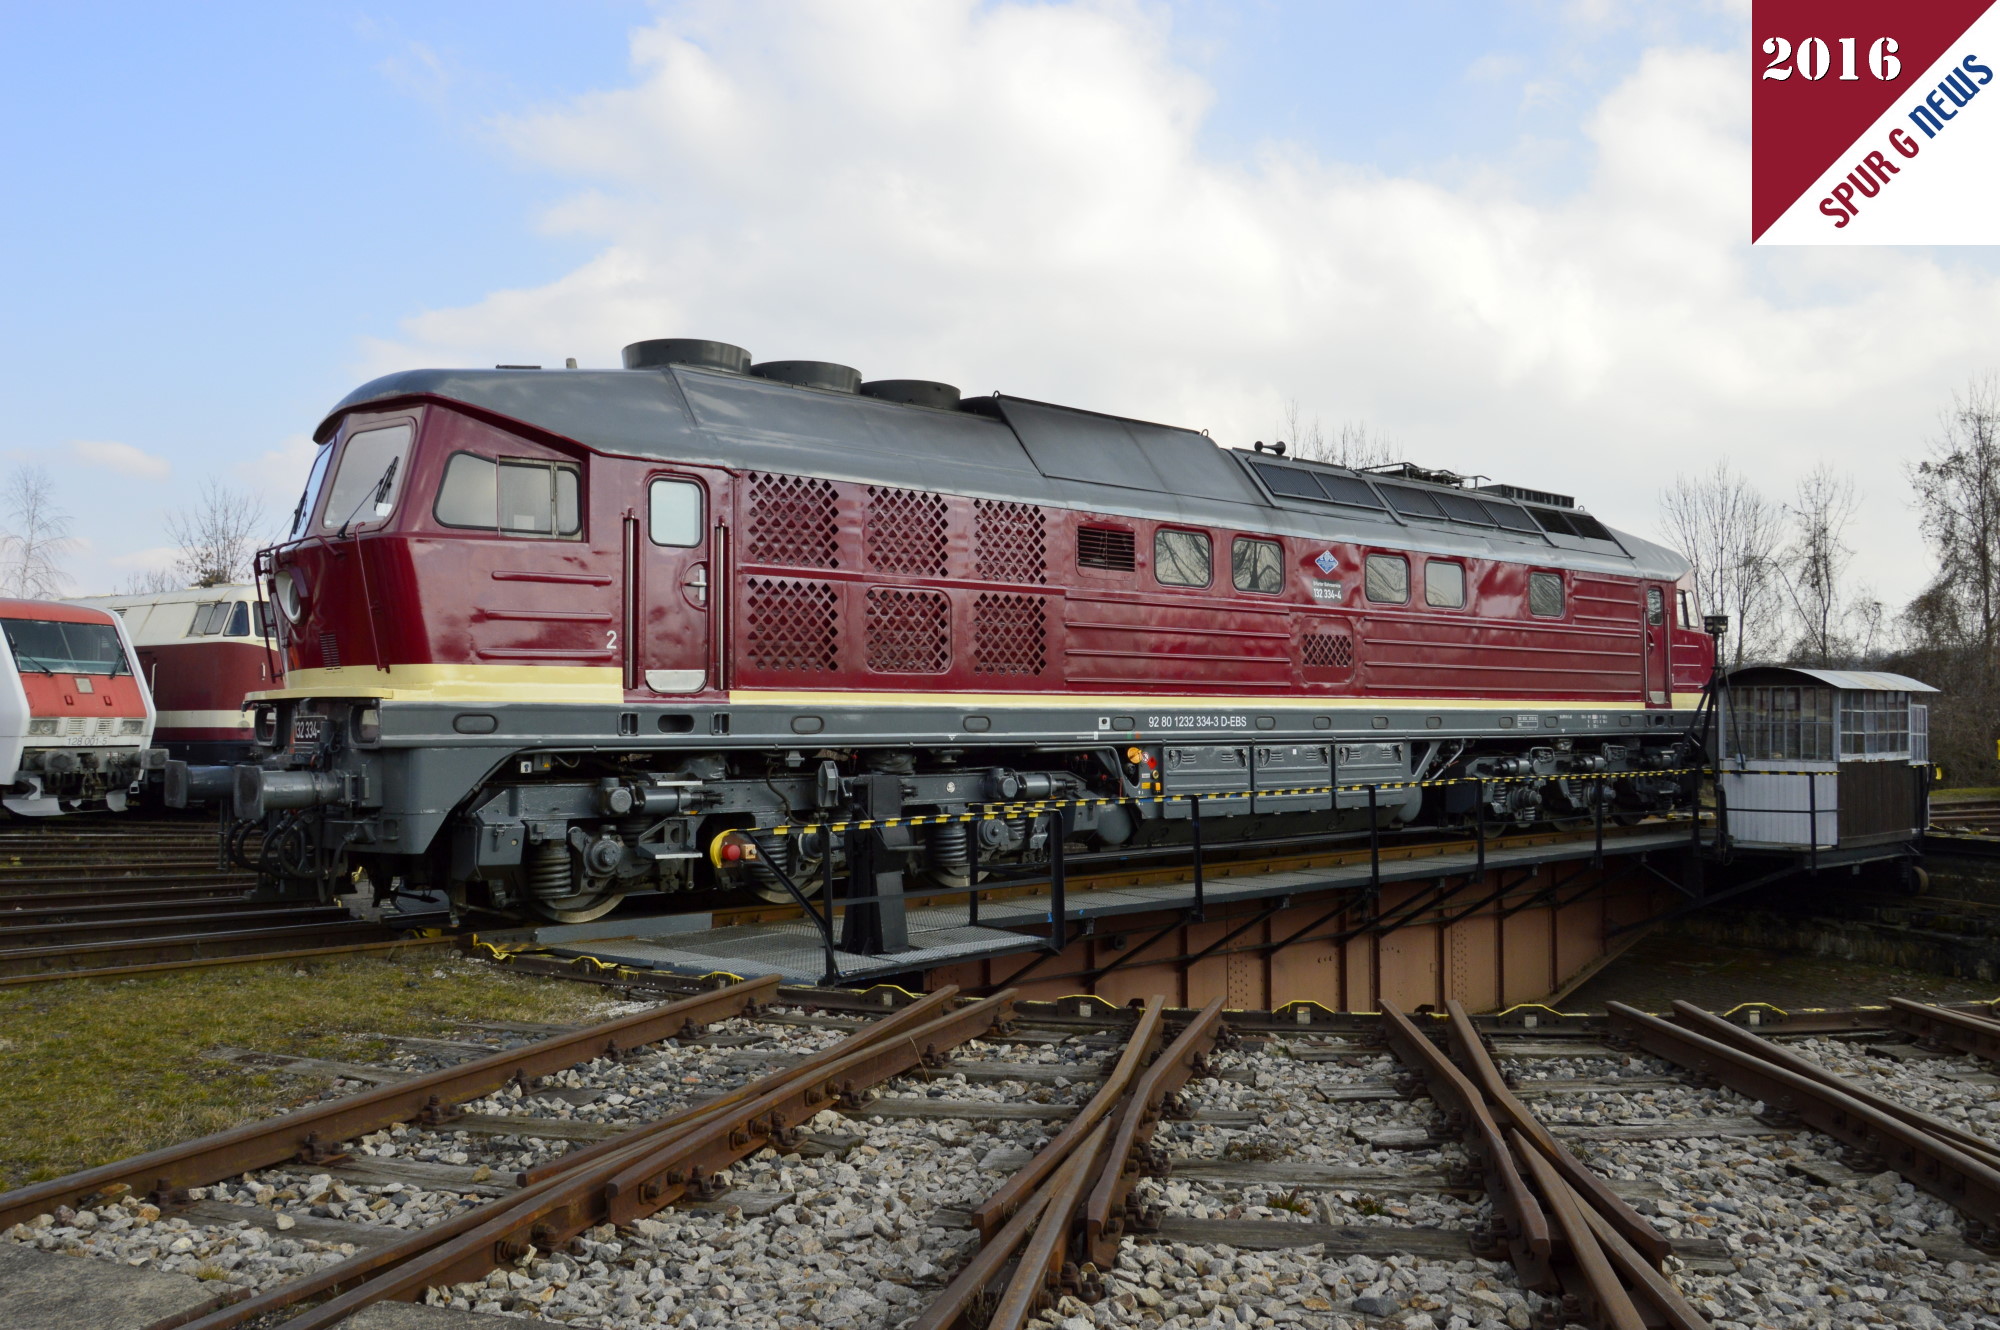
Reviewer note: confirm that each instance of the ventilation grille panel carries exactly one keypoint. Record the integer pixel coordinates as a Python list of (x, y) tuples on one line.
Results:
[(1105, 547), (792, 627), (794, 522), (1009, 635), (1327, 654), (908, 631), (1009, 542), (905, 532)]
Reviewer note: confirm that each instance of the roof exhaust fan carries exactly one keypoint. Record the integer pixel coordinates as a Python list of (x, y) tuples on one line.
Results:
[(663, 351)]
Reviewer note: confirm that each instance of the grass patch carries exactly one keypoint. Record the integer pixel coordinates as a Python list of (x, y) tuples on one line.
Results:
[(93, 1071), (1965, 792)]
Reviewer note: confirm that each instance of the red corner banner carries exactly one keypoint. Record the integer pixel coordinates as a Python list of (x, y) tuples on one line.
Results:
[(1869, 125)]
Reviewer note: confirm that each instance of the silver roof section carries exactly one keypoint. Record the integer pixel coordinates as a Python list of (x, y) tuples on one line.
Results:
[(1856, 681), (994, 447)]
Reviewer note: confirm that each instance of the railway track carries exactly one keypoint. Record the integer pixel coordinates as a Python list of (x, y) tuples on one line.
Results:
[(143, 896), (747, 1156), (1980, 816)]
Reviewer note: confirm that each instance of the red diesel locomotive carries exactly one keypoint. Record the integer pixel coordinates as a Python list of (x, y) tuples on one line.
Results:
[(552, 637)]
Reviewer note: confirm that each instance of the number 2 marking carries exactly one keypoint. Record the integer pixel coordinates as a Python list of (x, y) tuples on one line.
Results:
[(611, 639)]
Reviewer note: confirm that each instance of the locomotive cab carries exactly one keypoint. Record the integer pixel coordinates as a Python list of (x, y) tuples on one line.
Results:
[(76, 719)]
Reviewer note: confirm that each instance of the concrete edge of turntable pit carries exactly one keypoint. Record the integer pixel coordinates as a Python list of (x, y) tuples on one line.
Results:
[(941, 935)]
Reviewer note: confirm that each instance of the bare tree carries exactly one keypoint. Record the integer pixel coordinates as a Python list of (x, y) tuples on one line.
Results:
[(1730, 533), (218, 536), (1814, 565), (1351, 445), (37, 538), (1958, 509), (149, 581)]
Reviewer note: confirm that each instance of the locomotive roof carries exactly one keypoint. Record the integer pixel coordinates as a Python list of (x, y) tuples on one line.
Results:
[(994, 447), (56, 611)]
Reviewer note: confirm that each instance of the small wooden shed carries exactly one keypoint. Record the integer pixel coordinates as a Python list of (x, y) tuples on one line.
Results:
[(1823, 760)]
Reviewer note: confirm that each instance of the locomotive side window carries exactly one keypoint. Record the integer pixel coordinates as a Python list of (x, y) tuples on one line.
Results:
[(1444, 584), (1388, 579), (1182, 558), (239, 620), (357, 497), (516, 498), (1687, 609), (1656, 606), (674, 513), (1545, 595), (1258, 565)]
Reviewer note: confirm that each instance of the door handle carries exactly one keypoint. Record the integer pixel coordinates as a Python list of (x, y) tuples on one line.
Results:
[(696, 584)]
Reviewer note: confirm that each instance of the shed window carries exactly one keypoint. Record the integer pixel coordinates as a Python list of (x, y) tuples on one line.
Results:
[(1875, 726), (1545, 595), (1257, 565), (1388, 579), (1781, 724), (1444, 584), (1182, 558), (513, 497)]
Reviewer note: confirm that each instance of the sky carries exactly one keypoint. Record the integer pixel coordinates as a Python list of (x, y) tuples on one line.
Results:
[(1511, 236)]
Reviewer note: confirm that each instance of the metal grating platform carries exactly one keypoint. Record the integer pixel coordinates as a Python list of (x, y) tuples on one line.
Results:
[(940, 934)]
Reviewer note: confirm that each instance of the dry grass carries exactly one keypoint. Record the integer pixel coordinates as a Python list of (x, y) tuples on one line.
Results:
[(96, 1070)]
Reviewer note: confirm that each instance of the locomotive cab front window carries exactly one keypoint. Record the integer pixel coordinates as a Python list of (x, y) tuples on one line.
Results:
[(368, 479), (673, 513), (513, 497)]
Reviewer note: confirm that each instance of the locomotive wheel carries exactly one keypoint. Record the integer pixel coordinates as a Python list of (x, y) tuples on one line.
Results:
[(580, 908)]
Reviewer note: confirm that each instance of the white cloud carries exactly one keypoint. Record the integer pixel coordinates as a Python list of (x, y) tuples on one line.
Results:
[(279, 474), (162, 557), (1009, 196), (122, 458)]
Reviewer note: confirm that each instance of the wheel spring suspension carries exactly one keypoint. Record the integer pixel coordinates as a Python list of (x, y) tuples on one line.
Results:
[(946, 848), (780, 850), (548, 870)]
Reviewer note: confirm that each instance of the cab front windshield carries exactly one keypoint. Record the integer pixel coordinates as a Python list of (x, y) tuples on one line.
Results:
[(54, 647)]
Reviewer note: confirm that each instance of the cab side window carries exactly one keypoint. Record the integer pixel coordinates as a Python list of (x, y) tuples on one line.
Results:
[(1182, 558), (512, 496), (1656, 606), (1257, 565)]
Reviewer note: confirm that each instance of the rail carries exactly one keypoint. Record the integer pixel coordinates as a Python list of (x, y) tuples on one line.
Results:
[(1859, 1118)]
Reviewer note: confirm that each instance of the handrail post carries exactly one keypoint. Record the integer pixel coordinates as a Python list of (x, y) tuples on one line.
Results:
[(1812, 814), (1200, 888), (972, 869), (1597, 810), (1058, 895), (1374, 843), (1479, 814)]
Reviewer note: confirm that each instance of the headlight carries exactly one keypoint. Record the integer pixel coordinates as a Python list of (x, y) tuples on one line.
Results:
[(290, 591), (42, 725), (132, 725), (367, 724)]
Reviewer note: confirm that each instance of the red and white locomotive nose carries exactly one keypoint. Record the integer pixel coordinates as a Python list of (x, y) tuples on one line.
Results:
[(76, 720)]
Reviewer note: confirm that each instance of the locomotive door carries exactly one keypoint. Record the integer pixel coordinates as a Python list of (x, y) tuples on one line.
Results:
[(1658, 681), (673, 629)]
